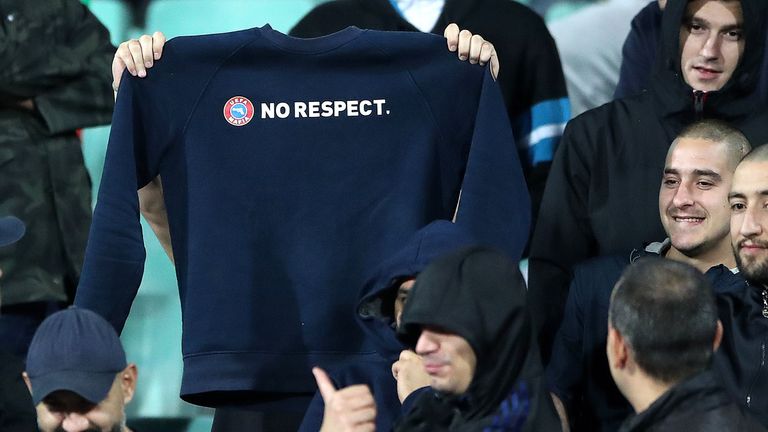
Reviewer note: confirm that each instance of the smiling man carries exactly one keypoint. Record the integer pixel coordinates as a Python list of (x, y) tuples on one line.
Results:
[(693, 208), (600, 197)]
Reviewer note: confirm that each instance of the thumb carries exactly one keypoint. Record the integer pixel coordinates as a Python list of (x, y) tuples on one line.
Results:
[(324, 384)]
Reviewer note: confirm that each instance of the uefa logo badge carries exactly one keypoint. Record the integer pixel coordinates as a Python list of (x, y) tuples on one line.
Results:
[(238, 111)]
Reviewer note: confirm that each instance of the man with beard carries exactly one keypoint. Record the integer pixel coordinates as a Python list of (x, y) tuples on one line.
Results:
[(77, 374), (744, 309)]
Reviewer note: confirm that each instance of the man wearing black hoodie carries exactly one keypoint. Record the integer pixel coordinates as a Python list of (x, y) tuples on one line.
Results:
[(468, 321), (599, 198)]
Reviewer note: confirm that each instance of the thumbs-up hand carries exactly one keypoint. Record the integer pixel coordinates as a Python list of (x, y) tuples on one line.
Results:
[(350, 409)]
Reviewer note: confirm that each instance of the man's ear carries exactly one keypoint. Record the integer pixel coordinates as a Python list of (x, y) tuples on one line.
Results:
[(618, 353), (718, 336), (128, 377), (27, 381)]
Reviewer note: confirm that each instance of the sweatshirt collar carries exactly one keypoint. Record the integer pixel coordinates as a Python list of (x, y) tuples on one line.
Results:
[(310, 45)]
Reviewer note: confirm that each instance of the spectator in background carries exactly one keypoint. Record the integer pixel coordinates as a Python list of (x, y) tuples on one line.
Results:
[(591, 54), (54, 80), (693, 205), (378, 313), (662, 331), (77, 374), (599, 198), (639, 54), (16, 412), (531, 81)]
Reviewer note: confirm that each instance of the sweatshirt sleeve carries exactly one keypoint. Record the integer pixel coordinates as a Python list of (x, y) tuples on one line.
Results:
[(494, 202), (563, 236), (114, 257)]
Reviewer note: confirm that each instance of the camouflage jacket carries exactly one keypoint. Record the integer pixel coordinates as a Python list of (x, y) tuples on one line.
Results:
[(56, 54)]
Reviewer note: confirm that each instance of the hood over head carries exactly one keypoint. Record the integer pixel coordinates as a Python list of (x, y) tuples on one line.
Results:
[(738, 97), (479, 294), (375, 310)]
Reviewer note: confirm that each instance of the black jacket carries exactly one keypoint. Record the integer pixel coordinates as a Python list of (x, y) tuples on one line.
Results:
[(601, 197), (531, 77), (639, 55), (697, 404), (479, 294), (741, 359)]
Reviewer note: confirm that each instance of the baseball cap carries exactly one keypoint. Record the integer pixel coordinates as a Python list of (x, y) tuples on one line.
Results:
[(77, 350), (11, 230)]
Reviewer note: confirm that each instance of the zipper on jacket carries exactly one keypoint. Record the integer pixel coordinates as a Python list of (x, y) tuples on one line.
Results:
[(699, 99), (754, 380)]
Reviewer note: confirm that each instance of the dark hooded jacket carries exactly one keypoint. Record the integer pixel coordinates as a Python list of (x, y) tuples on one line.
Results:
[(375, 315), (601, 197), (639, 55), (741, 359), (479, 294)]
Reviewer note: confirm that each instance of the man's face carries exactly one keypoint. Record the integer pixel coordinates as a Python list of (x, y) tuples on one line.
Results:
[(711, 43), (402, 297), (448, 360), (66, 411), (693, 198), (749, 220)]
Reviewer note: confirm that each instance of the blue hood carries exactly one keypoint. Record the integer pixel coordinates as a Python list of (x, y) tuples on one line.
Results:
[(375, 308)]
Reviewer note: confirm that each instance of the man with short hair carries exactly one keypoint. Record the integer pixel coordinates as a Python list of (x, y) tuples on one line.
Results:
[(693, 205), (598, 199), (662, 331), (77, 374)]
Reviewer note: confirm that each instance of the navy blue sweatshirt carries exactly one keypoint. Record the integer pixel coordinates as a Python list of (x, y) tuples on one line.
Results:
[(290, 169)]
